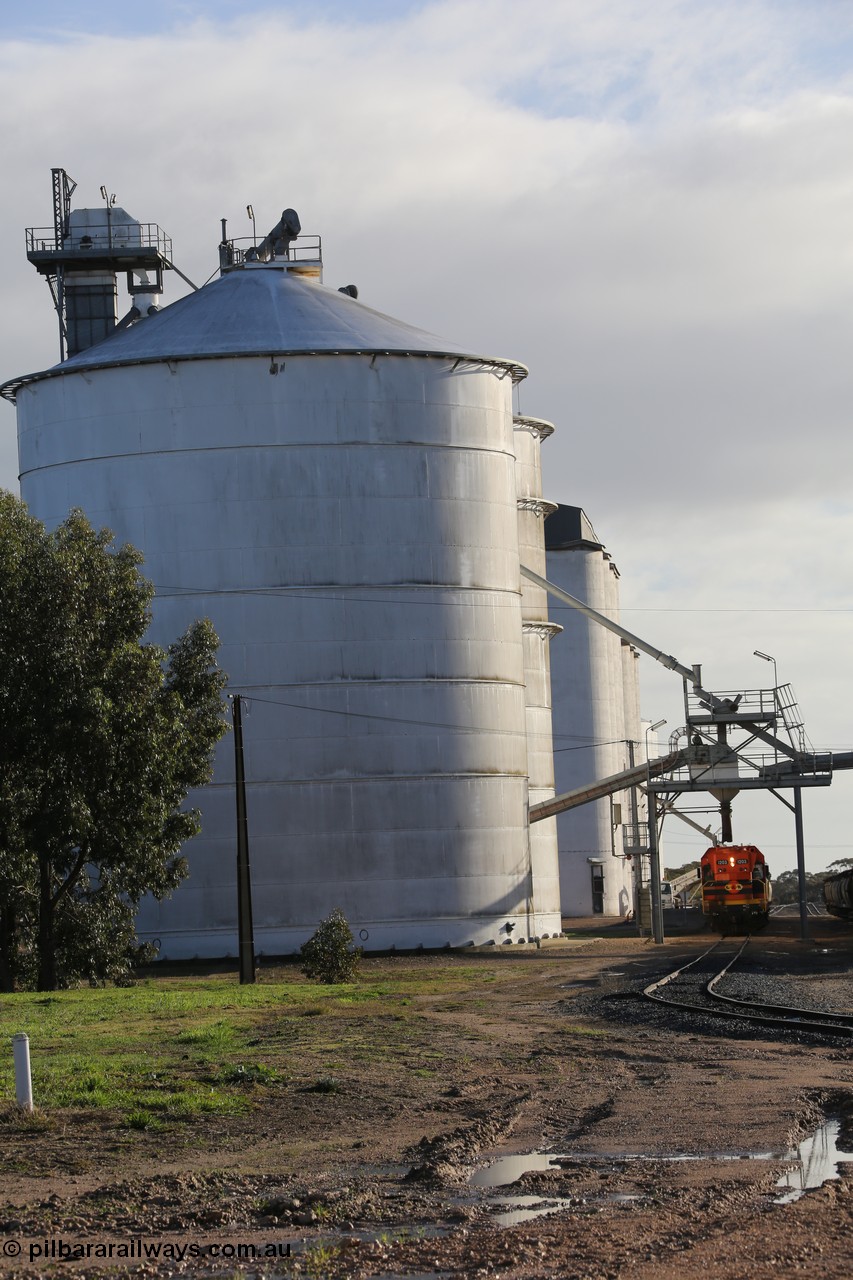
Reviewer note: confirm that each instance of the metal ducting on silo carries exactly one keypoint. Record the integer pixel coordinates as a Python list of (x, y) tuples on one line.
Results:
[(81, 257), (277, 243), (336, 490)]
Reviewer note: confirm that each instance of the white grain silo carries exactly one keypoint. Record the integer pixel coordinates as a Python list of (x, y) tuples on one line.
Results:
[(590, 690), (537, 632), (336, 490)]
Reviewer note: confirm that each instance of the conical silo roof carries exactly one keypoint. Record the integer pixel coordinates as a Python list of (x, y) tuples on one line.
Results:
[(262, 310)]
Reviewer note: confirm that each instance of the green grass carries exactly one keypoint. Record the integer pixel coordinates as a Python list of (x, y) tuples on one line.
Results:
[(317, 1258), (166, 1048), (171, 1050)]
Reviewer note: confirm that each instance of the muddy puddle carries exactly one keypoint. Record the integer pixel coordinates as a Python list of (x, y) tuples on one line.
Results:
[(508, 1169), (524, 1208), (812, 1163), (815, 1161)]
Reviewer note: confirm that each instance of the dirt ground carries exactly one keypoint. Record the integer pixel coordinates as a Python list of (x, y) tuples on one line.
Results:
[(669, 1140)]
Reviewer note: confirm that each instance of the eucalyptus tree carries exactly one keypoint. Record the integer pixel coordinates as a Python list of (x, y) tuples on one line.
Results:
[(102, 737)]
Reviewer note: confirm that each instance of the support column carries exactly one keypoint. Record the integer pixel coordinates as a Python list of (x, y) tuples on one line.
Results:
[(654, 868), (801, 864)]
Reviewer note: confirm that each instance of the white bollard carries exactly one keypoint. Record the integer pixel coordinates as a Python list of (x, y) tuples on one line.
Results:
[(23, 1077)]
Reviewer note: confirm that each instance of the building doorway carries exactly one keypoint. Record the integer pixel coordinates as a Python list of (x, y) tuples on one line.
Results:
[(597, 872)]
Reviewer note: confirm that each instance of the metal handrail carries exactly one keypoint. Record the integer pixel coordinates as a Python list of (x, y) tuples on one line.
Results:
[(308, 249), (755, 702), (635, 837), (139, 235), (754, 763)]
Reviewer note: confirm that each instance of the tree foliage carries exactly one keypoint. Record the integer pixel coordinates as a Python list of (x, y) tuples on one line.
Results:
[(672, 873), (786, 887), (328, 955), (102, 737)]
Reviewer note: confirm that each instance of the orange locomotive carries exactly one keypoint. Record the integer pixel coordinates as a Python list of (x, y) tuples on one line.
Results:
[(736, 889)]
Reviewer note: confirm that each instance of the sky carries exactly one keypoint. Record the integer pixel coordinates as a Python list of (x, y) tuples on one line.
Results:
[(647, 202)]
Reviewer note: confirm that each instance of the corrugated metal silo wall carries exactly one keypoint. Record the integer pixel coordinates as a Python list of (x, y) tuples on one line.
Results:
[(350, 527), (589, 726), (529, 434)]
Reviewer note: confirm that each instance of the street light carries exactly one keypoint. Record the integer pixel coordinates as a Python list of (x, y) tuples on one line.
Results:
[(109, 200), (250, 211), (657, 724), (768, 658)]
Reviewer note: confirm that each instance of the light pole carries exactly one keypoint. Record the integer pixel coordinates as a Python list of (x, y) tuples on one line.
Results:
[(654, 852), (109, 200), (245, 928), (652, 727), (251, 214), (768, 658)]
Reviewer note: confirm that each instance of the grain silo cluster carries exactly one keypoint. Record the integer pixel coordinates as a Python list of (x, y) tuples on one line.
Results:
[(349, 499)]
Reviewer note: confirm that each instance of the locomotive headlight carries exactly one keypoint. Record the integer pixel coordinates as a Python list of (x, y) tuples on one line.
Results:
[(731, 862)]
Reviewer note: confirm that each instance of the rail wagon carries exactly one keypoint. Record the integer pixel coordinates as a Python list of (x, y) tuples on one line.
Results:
[(838, 894), (736, 889)]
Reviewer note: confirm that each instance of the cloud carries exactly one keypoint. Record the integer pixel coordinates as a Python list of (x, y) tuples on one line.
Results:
[(647, 203)]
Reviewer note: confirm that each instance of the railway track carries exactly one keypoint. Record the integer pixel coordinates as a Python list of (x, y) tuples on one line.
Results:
[(691, 988), (793, 909)]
